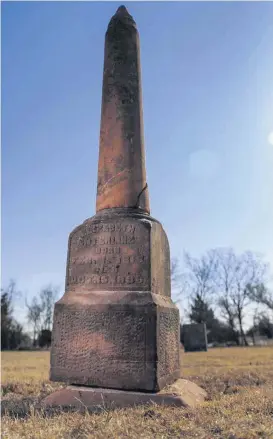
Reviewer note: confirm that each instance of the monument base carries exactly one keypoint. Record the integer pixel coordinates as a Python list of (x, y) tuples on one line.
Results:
[(182, 393), (116, 325)]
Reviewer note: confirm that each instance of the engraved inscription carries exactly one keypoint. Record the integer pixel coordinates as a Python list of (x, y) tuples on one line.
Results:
[(110, 255)]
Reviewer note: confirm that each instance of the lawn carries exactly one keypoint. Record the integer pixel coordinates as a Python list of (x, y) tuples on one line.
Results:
[(239, 382)]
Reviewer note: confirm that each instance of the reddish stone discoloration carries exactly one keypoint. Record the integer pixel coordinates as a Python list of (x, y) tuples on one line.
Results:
[(121, 170), (138, 322), (135, 354), (116, 325)]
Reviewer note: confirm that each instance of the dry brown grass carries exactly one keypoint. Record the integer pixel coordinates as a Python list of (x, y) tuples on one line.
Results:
[(239, 382)]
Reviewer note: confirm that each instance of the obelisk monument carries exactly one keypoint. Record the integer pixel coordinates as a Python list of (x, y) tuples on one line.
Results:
[(116, 326)]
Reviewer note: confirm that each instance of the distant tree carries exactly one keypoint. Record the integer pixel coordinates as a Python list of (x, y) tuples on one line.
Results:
[(228, 313), (34, 316), (200, 274), (200, 312), (40, 314), (253, 329), (222, 333), (229, 281), (261, 295), (16, 335), (44, 338), (263, 326), (6, 319), (48, 297), (175, 272), (178, 281), (234, 274), (12, 334)]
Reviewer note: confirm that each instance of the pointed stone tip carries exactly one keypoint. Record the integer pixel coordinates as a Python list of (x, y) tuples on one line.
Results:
[(122, 10), (121, 16)]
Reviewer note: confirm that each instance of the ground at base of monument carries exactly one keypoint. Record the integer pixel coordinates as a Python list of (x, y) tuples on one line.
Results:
[(239, 382), (182, 393)]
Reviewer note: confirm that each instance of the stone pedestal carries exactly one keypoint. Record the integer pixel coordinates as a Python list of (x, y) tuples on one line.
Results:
[(181, 394), (116, 326)]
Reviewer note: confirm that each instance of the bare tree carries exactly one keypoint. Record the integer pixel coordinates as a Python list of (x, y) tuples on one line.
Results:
[(260, 294), (34, 316), (233, 276), (40, 311), (48, 297), (11, 331), (11, 292), (228, 313), (200, 274), (255, 321), (179, 284), (175, 273)]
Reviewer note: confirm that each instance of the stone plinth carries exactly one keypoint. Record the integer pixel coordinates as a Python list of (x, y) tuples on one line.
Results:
[(116, 326), (182, 393), (195, 337)]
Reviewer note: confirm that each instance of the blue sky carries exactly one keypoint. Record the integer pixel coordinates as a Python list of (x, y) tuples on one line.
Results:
[(207, 72)]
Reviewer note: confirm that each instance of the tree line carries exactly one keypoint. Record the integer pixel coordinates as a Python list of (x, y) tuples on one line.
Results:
[(220, 287), (217, 289), (39, 318)]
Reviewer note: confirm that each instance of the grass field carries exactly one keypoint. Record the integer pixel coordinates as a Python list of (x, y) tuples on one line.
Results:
[(239, 382)]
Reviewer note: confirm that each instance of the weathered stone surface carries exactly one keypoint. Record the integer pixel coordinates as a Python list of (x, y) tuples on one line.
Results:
[(120, 250), (195, 337), (121, 171), (116, 325), (182, 393)]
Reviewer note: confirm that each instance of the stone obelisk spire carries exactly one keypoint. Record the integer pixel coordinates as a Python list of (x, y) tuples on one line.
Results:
[(121, 170)]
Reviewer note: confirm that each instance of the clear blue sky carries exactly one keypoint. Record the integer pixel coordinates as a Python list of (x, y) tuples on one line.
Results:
[(207, 74)]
